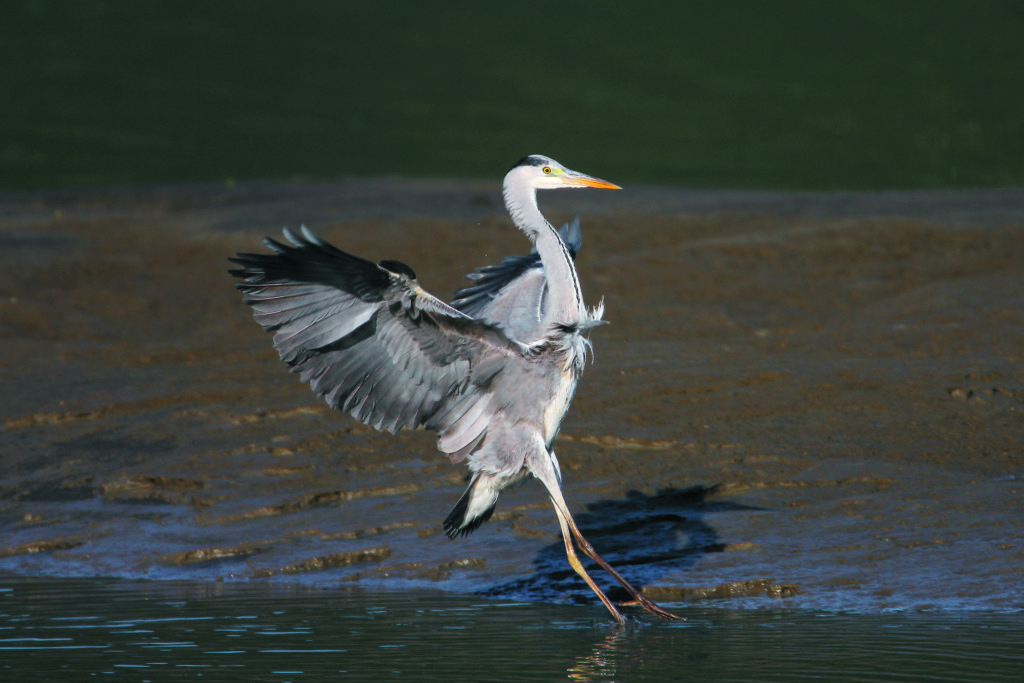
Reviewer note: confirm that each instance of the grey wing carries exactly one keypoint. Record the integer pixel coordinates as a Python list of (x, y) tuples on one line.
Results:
[(371, 342), (511, 293)]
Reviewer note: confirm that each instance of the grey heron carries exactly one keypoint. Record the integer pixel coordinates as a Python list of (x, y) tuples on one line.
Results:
[(493, 380)]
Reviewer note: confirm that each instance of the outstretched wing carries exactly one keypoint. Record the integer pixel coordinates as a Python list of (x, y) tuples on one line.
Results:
[(511, 294), (371, 342)]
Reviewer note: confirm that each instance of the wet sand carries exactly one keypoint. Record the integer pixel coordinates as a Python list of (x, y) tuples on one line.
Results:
[(802, 400)]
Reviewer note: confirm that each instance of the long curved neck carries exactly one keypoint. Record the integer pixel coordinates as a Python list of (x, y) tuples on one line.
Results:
[(564, 297)]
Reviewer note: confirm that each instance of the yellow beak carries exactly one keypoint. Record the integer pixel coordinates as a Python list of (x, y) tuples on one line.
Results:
[(579, 180)]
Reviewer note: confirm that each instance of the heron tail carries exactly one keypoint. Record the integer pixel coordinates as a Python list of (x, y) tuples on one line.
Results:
[(473, 509)]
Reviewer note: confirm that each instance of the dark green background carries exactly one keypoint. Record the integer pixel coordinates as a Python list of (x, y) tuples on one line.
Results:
[(817, 95)]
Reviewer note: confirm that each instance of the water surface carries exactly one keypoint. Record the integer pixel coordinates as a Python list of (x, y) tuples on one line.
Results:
[(171, 631)]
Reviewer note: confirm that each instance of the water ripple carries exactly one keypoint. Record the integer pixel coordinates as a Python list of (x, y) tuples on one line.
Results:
[(61, 629)]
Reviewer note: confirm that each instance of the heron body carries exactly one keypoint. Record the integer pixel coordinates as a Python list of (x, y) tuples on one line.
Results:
[(493, 374)]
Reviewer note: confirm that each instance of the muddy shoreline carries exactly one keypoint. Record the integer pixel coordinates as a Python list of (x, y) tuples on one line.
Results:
[(807, 400)]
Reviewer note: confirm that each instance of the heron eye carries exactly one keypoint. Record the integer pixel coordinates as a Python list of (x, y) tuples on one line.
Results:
[(547, 170)]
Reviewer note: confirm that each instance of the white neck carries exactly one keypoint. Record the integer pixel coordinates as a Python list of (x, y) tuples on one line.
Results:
[(564, 297)]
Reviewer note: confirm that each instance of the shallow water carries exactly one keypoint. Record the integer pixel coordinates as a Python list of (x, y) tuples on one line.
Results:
[(822, 418), (809, 421), (76, 629)]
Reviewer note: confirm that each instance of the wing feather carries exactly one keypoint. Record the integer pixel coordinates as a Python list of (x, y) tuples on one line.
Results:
[(371, 342)]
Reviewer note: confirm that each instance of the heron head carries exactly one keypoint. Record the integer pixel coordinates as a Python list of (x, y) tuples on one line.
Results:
[(544, 173)]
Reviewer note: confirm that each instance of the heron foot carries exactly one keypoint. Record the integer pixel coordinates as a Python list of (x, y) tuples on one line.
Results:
[(652, 607)]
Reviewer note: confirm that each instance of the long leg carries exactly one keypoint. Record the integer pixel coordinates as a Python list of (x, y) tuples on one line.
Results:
[(544, 470), (638, 596), (574, 562)]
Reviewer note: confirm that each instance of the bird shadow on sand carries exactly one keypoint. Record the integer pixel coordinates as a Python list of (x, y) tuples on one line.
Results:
[(643, 536)]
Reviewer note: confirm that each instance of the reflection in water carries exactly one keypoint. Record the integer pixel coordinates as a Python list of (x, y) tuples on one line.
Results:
[(599, 663), (768, 645), (65, 629)]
